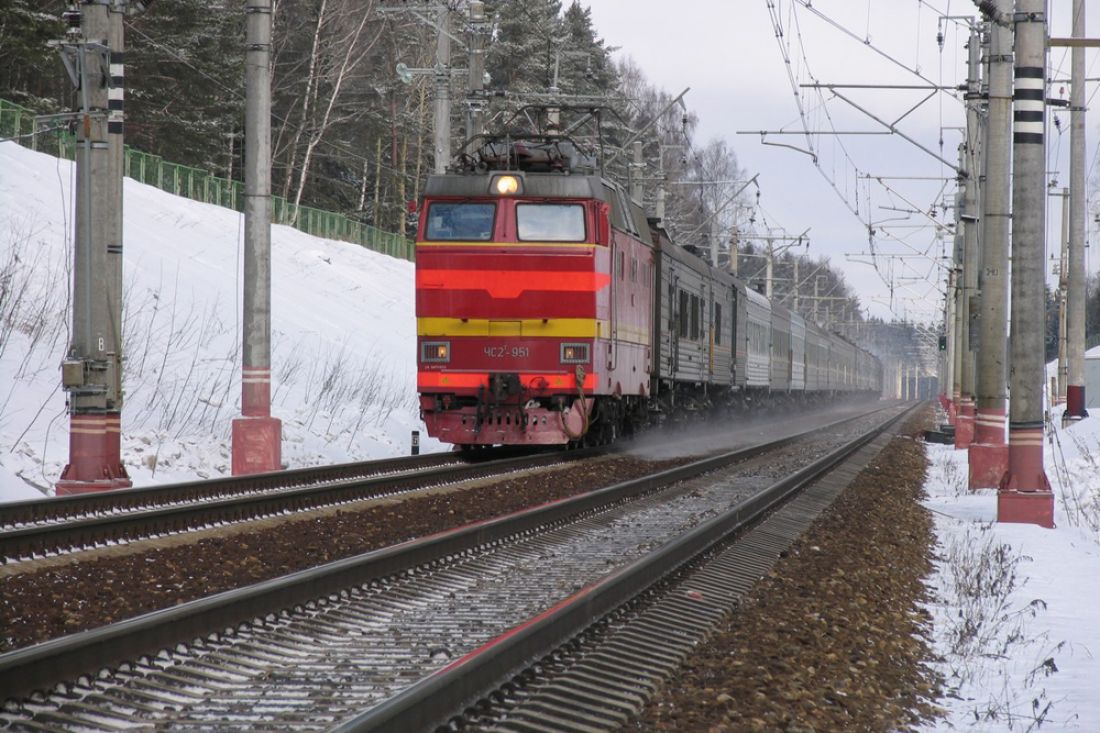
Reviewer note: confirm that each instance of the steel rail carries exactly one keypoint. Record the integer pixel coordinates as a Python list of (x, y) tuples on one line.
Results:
[(202, 510), (43, 665), (433, 700), (51, 509)]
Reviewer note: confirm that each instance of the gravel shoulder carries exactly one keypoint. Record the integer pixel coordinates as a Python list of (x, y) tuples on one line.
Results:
[(834, 639)]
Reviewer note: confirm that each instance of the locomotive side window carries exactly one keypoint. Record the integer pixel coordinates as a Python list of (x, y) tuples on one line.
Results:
[(460, 222), (551, 222)]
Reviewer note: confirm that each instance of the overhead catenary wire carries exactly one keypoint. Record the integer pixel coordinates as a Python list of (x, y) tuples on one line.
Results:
[(862, 196)]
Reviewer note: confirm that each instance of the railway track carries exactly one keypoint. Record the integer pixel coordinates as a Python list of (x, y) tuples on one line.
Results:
[(447, 610), (66, 524)]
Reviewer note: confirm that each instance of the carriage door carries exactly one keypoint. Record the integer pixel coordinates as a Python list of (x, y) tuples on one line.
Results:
[(616, 276), (733, 336), (673, 323), (710, 328)]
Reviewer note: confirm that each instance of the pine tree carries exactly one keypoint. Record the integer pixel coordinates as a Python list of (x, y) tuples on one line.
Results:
[(31, 73), (185, 82)]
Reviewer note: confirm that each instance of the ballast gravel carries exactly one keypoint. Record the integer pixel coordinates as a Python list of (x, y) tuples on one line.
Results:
[(37, 606), (833, 639)]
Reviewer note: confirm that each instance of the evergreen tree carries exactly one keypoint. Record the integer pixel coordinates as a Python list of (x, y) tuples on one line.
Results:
[(185, 82), (30, 71)]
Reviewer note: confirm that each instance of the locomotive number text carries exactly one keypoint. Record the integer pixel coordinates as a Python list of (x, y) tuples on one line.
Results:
[(500, 352)]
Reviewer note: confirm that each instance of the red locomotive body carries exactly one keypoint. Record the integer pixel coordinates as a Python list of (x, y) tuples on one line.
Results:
[(533, 313)]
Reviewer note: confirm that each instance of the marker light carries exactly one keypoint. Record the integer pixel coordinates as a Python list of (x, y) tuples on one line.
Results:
[(506, 185), (435, 351), (574, 353)]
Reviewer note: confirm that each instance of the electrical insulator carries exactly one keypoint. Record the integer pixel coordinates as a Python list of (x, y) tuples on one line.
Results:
[(72, 18)]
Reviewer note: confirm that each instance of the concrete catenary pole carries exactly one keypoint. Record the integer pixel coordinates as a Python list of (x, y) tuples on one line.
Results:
[(970, 221), (1063, 290), (257, 437), (475, 98), (947, 377), (988, 455), (1025, 494), (1075, 312), (116, 152), (91, 370), (441, 121), (957, 295)]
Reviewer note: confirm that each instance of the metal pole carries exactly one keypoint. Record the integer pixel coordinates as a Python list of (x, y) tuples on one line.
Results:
[(714, 234), (988, 455), (1025, 494), (257, 436), (636, 169), (970, 217), (768, 275), (475, 85), (795, 299), (442, 107), (1075, 310), (90, 372)]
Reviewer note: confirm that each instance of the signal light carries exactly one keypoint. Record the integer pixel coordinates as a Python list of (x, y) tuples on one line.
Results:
[(943, 343), (506, 185), (574, 353), (437, 352)]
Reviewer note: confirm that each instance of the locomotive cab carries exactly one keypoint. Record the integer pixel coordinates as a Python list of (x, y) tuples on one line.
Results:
[(517, 309)]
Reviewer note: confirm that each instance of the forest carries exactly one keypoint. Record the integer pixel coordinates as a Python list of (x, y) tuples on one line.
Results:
[(349, 135)]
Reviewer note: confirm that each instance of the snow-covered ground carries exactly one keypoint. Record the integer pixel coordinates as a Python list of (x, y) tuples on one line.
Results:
[(1016, 609), (343, 336)]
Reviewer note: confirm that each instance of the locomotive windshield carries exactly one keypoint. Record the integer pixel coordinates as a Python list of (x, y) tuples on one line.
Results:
[(550, 222), (452, 221)]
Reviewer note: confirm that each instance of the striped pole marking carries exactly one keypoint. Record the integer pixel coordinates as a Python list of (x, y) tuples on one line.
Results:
[(116, 94), (1028, 105), (1025, 437), (257, 375), (89, 425)]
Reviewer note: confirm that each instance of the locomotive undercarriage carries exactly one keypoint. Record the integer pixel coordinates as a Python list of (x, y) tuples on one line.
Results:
[(508, 413)]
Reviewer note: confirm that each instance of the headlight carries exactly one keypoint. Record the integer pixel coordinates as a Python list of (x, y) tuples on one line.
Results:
[(505, 185), (574, 353), (435, 351)]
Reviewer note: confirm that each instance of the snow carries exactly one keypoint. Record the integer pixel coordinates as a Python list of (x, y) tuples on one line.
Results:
[(343, 337), (1015, 606), (1004, 600)]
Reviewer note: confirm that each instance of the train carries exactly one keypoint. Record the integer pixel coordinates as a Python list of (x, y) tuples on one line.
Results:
[(551, 310)]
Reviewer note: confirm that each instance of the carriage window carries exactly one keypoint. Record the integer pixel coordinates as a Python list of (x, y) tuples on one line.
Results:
[(717, 323), (460, 222), (695, 317), (685, 314), (550, 222)]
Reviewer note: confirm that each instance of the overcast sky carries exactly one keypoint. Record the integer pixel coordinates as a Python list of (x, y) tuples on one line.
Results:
[(727, 52)]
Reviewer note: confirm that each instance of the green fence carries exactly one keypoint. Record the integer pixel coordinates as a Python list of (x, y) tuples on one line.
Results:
[(50, 134)]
